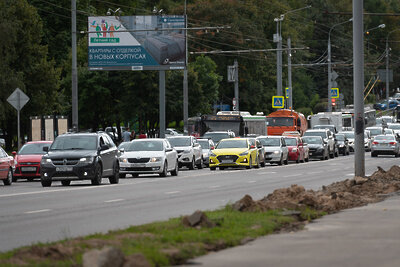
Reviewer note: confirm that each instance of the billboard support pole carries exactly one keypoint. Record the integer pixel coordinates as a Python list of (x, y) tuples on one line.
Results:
[(185, 82), (237, 84), (74, 72), (162, 103)]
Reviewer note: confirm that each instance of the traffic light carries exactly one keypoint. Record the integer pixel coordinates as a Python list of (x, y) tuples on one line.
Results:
[(333, 101)]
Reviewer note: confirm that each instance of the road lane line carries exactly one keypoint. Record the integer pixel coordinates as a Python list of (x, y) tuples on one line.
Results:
[(251, 182), (36, 211), (293, 175), (114, 200), (261, 173), (172, 192), (214, 186)]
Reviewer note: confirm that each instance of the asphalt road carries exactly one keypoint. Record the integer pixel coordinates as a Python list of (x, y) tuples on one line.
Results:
[(30, 213)]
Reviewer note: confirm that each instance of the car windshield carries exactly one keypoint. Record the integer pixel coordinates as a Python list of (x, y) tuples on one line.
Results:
[(384, 137), (75, 142), (312, 140), (204, 144), (179, 141), (322, 134), (375, 132), (290, 141), (394, 126), (216, 137), (349, 135), (234, 143), (340, 137), (270, 141), (280, 121), (150, 145), (33, 149)]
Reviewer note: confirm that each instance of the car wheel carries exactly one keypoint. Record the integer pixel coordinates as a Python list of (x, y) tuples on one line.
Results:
[(65, 182), (192, 165), (98, 173), (122, 175), (176, 170), (397, 155), (263, 163), (9, 179), (213, 168), (200, 165), (331, 155), (250, 164), (287, 160), (298, 160), (307, 159), (336, 153), (14, 179), (114, 179), (46, 182), (257, 163), (221, 168), (280, 161), (30, 179), (165, 170)]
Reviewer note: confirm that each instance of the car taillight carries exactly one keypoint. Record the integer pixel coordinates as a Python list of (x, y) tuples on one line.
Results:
[(375, 143), (392, 143)]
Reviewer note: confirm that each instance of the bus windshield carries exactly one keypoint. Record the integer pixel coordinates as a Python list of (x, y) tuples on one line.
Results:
[(280, 121)]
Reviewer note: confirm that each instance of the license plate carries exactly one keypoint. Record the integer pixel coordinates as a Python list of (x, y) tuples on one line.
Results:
[(28, 169), (64, 169), (226, 161), (139, 165)]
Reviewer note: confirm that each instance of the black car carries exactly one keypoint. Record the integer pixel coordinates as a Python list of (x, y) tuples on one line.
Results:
[(318, 148), (343, 144), (80, 156)]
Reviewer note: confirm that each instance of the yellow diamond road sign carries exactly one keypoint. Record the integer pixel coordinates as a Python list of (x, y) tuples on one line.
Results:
[(278, 102)]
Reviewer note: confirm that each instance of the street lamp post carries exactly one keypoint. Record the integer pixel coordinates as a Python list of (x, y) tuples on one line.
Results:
[(330, 64), (278, 40), (387, 68)]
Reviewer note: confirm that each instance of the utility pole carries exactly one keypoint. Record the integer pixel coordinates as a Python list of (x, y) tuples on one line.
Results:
[(74, 72), (329, 75), (236, 66), (387, 75), (278, 40), (358, 70), (162, 102), (290, 73), (185, 82)]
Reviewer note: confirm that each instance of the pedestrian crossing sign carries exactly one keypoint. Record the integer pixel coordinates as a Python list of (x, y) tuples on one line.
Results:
[(335, 92), (278, 102), (287, 92)]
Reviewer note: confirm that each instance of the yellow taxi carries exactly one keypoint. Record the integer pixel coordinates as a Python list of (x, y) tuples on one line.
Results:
[(233, 152)]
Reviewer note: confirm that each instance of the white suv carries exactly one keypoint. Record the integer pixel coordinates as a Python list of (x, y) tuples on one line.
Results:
[(189, 151), (328, 137)]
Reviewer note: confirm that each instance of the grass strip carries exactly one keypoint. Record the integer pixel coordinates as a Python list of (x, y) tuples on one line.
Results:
[(162, 243)]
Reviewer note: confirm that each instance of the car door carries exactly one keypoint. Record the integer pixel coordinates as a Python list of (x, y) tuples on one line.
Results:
[(197, 149), (300, 148), (170, 155), (3, 164), (285, 149), (106, 155), (113, 152)]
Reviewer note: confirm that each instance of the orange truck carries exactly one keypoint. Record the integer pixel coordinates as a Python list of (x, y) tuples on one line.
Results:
[(284, 120)]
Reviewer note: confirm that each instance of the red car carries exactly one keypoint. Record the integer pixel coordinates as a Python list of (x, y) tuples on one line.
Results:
[(6, 167), (27, 160), (296, 149)]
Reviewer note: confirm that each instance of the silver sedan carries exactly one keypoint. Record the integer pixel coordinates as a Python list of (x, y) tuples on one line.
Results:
[(144, 156), (385, 145)]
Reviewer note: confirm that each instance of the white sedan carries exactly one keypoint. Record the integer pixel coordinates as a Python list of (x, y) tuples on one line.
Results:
[(144, 156)]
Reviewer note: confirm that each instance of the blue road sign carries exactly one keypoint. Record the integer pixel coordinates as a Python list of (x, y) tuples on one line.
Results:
[(335, 92), (278, 102), (287, 92)]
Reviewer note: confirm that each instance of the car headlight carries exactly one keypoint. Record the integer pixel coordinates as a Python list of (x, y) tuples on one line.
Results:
[(44, 161), (187, 151), (294, 149), (155, 159), (86, 160), (341, 145), (277, 152), (244, 153), (124, 160)]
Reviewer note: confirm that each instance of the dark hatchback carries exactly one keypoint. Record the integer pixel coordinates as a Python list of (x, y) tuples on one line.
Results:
[(318, 148), (80, 156)]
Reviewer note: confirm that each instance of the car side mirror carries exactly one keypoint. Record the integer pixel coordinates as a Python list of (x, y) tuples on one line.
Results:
[(14, 153), (168, 149), (45, 149), (304, 144), (122, 150), (196, 145), (103, 147)]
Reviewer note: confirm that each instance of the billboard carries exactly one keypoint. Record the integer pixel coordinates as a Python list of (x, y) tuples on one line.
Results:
[(136, 42)]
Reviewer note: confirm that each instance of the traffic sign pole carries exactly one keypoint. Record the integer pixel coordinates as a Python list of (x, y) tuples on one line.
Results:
[(18, 100)]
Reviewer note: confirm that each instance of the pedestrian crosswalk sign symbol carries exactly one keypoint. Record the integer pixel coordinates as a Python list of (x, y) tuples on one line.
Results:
[(278, 102), (335, 92)]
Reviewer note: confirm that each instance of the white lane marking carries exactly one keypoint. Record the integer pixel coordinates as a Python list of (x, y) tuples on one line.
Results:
[(113, 200), (261, 173), (314, 172), (251, 182), (36, 211), (293, 175), (172, 192), (214, 186), (350, 174)]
